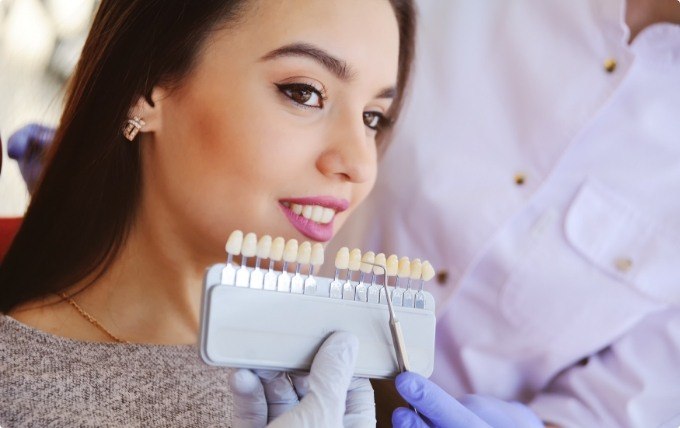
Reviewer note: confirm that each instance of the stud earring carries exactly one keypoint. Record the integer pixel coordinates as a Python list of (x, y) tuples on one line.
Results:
[(132, 127)]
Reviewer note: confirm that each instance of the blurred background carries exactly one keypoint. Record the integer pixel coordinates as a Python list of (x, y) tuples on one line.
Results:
[(40, 41)]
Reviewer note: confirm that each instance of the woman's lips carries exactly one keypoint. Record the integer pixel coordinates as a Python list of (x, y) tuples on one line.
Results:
[(313, 216)]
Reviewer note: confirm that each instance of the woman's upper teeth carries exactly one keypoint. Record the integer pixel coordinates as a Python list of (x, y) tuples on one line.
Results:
[(315, 213)]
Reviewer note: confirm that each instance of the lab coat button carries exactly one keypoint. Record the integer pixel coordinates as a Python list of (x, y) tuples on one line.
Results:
[(610, 65), (442, 277), (520, 179), (623, 264)]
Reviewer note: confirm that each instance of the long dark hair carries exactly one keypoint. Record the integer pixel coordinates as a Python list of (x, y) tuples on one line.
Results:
[(84, 206)]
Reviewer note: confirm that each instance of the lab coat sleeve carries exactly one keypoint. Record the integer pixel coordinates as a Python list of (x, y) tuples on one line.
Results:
[(634, 382)]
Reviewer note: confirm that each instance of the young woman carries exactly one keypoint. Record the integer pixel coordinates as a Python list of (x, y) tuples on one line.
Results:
[(185, 120)]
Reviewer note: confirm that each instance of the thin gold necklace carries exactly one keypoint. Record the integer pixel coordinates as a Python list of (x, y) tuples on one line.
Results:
[(91, 319)]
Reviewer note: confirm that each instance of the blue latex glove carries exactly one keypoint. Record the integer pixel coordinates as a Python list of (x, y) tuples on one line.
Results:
[(27, 146), (436, 408), (327, 397)]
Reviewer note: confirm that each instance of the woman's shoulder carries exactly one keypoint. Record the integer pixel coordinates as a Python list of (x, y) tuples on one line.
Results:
[(43, 339), (25, 335), (25, 347), (45, 314), (41, 372)]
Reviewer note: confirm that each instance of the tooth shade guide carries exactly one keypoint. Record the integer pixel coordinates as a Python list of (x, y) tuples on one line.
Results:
[(249, 248), (234, 243), (362, 292), (277, 248), (342, 258), (348, 290), (428, 271), (317, 257), (304, 254), (364, 286), (416, 269), (283, 282), (264, 247), (392, 265), (270, 278), (407, 298), (354, 260), (404, 268), (257, 278), (228, 276), (296, 313), (290, 251), (380, 263), (397, 296), (367, 261)]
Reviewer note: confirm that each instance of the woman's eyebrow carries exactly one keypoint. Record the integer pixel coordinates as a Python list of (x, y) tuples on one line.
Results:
[(333, 64), (390, 92)]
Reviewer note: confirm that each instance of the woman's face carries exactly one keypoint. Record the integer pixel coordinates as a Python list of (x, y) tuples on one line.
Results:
[(274, 129)]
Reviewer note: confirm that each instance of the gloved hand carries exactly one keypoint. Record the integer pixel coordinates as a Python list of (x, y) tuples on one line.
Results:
[(327, 397), (436, 408), (27, 146)]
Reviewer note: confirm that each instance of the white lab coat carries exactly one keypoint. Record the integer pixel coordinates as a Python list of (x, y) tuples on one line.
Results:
[(562, 291)]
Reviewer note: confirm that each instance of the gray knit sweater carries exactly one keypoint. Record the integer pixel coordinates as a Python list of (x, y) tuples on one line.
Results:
[(50, 381)]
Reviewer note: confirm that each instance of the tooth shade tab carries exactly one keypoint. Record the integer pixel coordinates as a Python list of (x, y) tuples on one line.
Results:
[(264, 247), (290, 251), (367, 261), (354, 259), (234, 243), (317, 254), (381, 263), (249, 248), (416, 269), (404, 270), (304, 254), (428, 271), (342, 258), (392, 265), (296, 208), (278, 245)]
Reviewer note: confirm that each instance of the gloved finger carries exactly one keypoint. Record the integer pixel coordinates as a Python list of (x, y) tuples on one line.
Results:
[(333, 366), (301, 384), (406, 418), (500, 413), (435, 404), (329, 379), (279, 391), (250, 405), (29, 141), (27, 146), (360, 404)]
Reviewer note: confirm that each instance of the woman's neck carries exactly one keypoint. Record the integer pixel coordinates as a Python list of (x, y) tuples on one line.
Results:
[(151, 293)]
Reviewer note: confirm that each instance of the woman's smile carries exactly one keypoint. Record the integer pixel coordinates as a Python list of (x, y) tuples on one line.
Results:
[(313, 216)]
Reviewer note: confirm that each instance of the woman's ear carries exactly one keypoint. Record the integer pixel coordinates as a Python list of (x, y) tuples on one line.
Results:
[(148, 110)]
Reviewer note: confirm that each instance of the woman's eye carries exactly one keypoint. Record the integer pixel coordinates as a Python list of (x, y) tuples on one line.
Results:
[(374, 120), (303, 94)]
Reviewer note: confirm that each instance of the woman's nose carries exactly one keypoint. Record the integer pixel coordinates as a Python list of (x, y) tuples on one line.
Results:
[(351, 153)]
